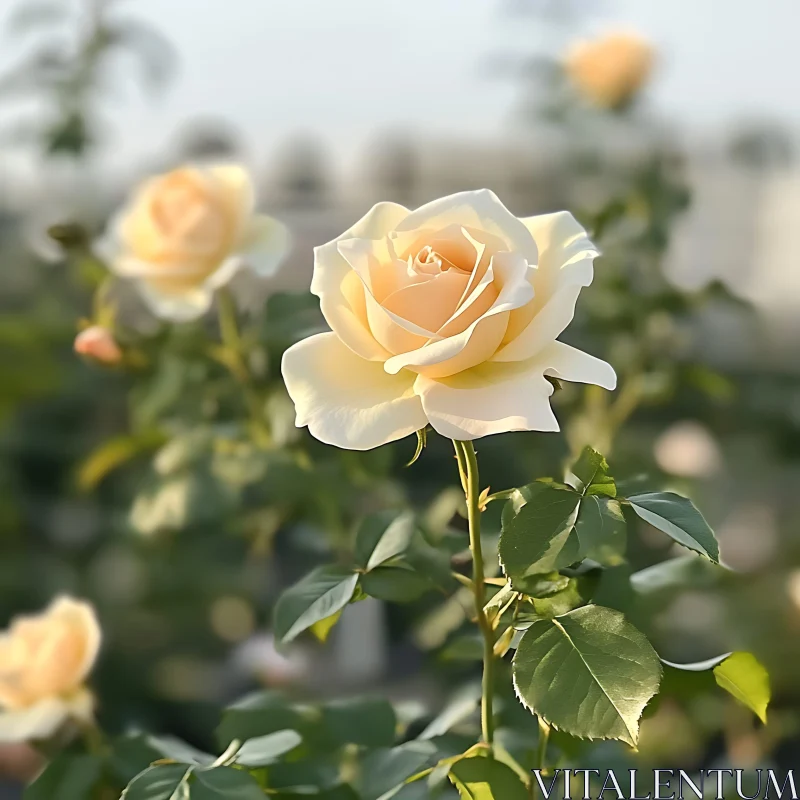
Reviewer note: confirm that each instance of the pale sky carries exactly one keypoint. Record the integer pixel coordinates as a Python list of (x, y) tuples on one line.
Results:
[(346, 69)]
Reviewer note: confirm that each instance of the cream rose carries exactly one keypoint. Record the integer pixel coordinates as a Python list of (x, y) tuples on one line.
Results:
[(609, 71), (44, 661), (447, 315), (186, 233)]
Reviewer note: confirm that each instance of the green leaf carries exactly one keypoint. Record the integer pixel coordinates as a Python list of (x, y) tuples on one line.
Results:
[(323, 592), (177, 750), (537, 538), (159, 782), (589, 673), (578, 592), (542, 585), (591, 476), (383, 771), (557, 527), (257, 715), (225, 783), (743, 676), (322, 629), (264, 750), (383, 536), (369, 721), (689, 570), (481, 778), (395, 584), (468, 647), (68, 776), (131, 754), (113, 453), (601, 530), (678, 518), (461, 705)]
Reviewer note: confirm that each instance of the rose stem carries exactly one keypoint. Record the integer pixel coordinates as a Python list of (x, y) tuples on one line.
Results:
[(468, 463), (232, 340)]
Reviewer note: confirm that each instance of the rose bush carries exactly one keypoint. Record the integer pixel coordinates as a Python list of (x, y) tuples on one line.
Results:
[(448, 315), (610, 70), (44, 661), (185, 234)]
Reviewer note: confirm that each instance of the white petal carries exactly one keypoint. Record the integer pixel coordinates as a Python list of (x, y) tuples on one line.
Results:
[(510, 270), (265, 243), (491, 398), (543, 329), (566, 259), (185, 306), (346, 400), (570, 364), (331, 269), (235, 187), (82, 619), (39, 721), (563, 244), (480, 209)]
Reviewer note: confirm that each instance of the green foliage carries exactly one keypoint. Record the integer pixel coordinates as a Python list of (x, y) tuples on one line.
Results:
[(481, 778), (265, 750), (741, 675), (588, 673), (678, 518), (541, 537), (361, 720), (591, 474), (159, 782), (322, 593), (384, 771), (745, 678), (381, 537), (224, 783), (68, 776)]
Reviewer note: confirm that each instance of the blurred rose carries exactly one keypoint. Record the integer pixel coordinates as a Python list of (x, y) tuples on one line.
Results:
[(609, 71), (687, 449), (186, 233), (44, 661), (446, 315), (96, 342)]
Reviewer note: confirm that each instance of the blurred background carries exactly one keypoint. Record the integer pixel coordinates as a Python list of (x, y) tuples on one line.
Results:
[(133, 489)]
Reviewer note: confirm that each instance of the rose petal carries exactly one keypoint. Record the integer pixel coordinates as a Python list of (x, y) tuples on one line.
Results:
[(480, 340), (479, 209), (39, 721), (330, 270), (236, 192), (391, 330), (488, 399), (79, 621), (549, 323), (346, 400), (264, 244), (566, 259), (570, 364), (190, 304)]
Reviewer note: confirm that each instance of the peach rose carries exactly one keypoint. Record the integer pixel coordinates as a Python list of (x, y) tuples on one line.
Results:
[(610, 71), (97, 342), (445, 315), (186, 233), (44, 661)]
